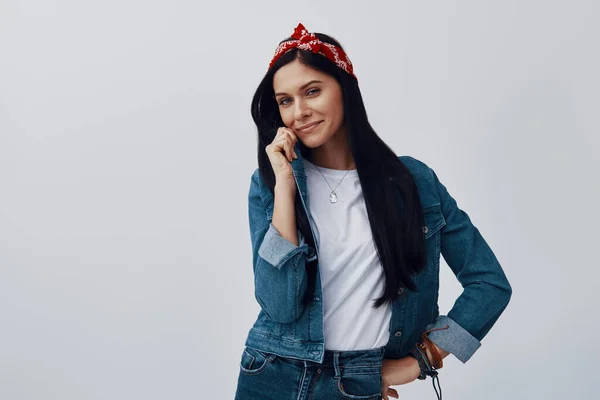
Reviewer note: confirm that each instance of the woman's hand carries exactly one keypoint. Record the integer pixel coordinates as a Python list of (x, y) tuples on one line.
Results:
[(281, 153), (398, 372)]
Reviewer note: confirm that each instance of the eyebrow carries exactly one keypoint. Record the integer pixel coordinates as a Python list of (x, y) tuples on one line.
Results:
[(301, 87)]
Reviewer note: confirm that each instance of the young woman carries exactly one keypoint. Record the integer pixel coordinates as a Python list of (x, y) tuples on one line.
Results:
[(346, 239)]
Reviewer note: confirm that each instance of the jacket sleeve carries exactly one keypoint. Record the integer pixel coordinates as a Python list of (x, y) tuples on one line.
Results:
[(280, 279), (486, 290)]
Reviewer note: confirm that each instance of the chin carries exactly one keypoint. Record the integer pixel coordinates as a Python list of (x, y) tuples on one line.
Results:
[(312, 142)]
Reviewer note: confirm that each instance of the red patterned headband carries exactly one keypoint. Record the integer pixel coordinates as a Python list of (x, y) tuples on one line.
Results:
[(309, 41)]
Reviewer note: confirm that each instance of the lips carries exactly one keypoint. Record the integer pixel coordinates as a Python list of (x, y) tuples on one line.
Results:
[(310, 127)]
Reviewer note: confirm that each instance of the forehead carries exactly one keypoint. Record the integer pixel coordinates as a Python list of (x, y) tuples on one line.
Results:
[(292, 76)]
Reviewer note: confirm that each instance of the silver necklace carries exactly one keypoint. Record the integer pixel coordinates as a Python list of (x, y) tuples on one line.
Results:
[(333, 196)]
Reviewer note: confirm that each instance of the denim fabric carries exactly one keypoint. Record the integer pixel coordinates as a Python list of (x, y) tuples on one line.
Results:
[(343, 375), (288, 329)]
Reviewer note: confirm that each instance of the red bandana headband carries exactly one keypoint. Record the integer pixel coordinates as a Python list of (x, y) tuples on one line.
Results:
[(309, 41)]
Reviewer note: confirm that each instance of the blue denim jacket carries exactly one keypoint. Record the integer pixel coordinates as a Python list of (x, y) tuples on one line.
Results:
[(285, 327)]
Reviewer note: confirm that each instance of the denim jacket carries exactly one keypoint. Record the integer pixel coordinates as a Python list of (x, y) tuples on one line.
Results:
[(287, 328)]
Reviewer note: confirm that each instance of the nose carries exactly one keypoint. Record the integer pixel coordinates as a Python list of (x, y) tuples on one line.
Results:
[(301, 110)]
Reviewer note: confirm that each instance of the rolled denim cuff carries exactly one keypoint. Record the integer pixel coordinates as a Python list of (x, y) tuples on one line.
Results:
[(276, 250), (455, 339)]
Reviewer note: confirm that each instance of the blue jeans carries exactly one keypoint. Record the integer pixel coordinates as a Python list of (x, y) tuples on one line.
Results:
[(343, 375)]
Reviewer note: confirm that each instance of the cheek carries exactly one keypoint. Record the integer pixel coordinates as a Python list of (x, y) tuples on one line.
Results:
[(287, 116), (333, 108), (340, 113), (336, 113)]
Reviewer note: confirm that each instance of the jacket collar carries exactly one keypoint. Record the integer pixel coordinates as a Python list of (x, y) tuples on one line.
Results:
[(297, 164)]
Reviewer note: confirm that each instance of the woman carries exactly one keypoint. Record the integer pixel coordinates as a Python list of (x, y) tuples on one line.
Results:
[(346, 238)]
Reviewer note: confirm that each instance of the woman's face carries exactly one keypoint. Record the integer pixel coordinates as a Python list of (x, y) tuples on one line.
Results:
[(310, 103)]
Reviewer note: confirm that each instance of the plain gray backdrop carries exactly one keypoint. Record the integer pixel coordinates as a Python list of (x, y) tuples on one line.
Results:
[(126, 149)]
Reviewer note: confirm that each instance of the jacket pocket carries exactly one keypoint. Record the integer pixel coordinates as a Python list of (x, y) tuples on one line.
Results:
[(434, 220)]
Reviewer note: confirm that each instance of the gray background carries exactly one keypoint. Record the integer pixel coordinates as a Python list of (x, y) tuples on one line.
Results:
[(126, 149)]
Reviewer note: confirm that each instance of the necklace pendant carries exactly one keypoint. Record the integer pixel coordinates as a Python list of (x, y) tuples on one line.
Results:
[(333, 198)]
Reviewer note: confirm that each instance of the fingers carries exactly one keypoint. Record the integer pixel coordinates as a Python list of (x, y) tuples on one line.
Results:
[(290, 142), (286, 140), (283, 143), (389, 392)]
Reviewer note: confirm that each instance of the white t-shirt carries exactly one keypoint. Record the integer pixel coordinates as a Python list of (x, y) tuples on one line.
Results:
[(351, 275)]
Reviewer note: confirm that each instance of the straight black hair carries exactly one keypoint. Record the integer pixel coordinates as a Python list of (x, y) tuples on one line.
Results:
[(391, 196)]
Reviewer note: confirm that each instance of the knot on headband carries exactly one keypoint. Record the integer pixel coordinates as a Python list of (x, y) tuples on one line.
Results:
[(304, 40)]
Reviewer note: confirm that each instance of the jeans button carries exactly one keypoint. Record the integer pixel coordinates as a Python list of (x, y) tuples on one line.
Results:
[(398, 333)]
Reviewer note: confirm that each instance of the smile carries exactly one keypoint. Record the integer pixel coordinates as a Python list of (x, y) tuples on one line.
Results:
[(310, 127)]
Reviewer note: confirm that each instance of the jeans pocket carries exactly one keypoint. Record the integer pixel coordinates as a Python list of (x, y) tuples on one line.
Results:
[(254, 361), (362, 383)]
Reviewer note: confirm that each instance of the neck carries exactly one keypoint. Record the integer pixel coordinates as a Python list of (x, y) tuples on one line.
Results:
[(333, 154)]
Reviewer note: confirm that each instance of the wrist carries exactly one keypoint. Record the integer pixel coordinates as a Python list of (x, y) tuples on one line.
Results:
[(415, 367), (285, 186), (422, 364), (431, 351), (443, 353), (285, 181)]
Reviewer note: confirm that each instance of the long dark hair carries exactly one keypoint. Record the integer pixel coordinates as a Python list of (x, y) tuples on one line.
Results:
[(385, 181)]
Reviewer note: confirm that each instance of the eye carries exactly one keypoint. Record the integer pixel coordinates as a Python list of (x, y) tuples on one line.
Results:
[(313, 91), (282, 102)]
